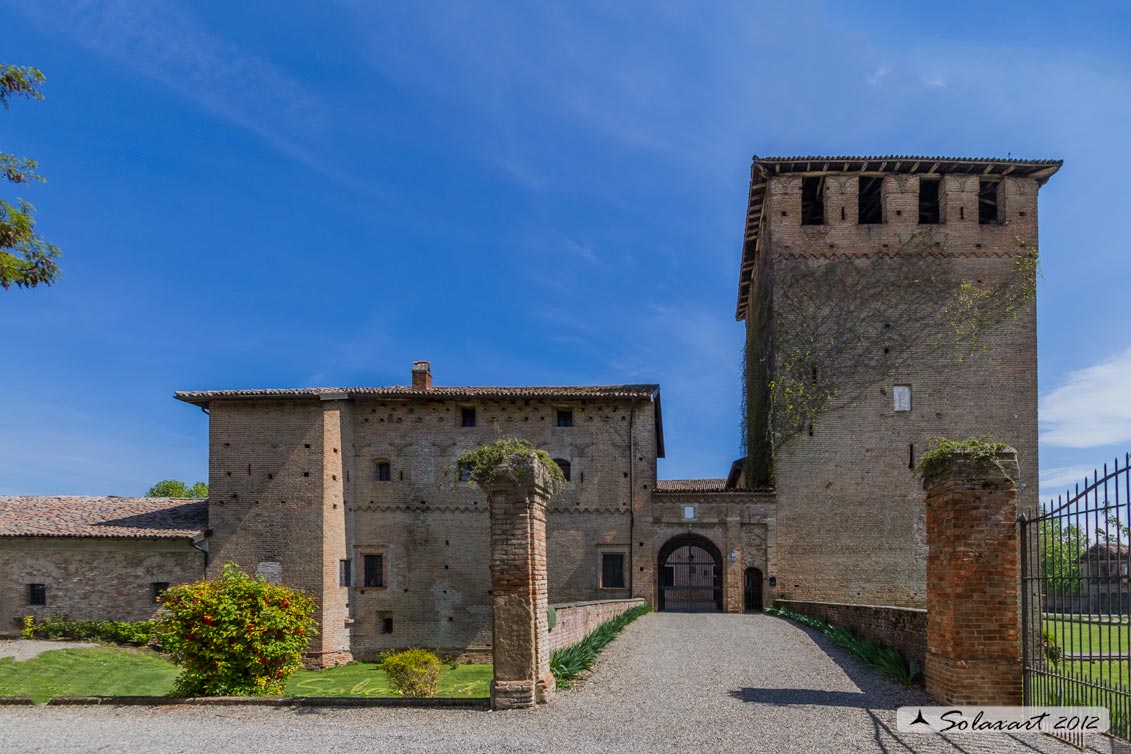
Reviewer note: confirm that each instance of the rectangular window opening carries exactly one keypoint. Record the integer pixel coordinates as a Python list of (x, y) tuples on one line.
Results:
[(464, 472), (345, 578), (813, 200), (382, 471), (871, 195), (374, 571), (988, 202), (929, 208), (612, 570), (467, 417), (37, 594), (565, 418), (157, 590)]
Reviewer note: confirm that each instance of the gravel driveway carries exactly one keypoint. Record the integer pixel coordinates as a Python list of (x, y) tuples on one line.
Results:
[(670, 683)]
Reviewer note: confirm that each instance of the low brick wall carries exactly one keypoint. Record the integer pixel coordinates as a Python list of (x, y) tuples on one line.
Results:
[(902, 628), (576, 620)]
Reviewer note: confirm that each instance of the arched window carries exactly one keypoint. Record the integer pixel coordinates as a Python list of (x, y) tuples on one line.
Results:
[(382, 472), (564, 465)]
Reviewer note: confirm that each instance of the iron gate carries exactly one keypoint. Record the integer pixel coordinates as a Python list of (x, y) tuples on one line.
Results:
[(691, 576), (1076, 598)]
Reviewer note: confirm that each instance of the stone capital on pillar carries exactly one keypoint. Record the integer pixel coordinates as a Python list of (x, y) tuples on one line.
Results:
[(517, 495), (973, 581)]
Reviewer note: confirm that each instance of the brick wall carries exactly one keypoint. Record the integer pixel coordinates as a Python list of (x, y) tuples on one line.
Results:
[(294, 484), (576, 620), (901, 628), (851, 524), (90, 578)]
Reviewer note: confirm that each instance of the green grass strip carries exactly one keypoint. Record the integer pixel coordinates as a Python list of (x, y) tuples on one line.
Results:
[(570, 663)]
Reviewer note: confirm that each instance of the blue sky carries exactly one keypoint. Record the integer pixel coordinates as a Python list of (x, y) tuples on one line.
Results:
[(264, 195)]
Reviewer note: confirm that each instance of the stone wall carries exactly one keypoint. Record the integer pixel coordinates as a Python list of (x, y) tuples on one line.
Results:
[(851, 525), (90, 578), (576, 620), (901, 628)]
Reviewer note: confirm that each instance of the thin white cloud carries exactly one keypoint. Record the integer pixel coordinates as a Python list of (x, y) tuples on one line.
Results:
[(878, 75), (1092, 408), (1057, 480), (166, 42)]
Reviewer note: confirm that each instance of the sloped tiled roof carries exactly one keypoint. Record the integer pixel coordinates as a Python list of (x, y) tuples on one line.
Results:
[(571, 392), (763, 168), (103, 517), (690, 485)]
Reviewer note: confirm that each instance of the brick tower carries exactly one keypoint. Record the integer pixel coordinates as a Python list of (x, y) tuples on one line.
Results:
[(887, 300)]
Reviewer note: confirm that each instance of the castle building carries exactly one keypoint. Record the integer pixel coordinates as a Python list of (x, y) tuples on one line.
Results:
[(886, 301)]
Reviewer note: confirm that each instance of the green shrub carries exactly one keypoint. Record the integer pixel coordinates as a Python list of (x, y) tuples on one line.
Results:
[(1053, 652), (413, 672), (235, 635), (107, 631), (982, 451), (551, 617), (569, 663), (878, 656), (483, 461)]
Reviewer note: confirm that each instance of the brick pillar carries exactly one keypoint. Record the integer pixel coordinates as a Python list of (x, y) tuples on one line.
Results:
[(973, 643), (520, 632)]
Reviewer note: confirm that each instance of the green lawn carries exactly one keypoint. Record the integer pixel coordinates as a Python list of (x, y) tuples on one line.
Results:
[(1079, 636), (113, 671)]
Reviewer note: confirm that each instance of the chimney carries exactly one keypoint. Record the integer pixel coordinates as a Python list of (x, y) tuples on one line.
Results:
[(421, 375)]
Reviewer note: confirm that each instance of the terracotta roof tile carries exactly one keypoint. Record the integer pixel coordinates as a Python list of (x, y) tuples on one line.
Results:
[(108, 517), (203, 397)]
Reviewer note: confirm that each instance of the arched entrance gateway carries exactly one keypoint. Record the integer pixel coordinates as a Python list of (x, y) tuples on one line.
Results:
[(690, 575)]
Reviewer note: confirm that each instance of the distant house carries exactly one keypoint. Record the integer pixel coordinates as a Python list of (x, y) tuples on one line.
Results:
[(1104, 570)]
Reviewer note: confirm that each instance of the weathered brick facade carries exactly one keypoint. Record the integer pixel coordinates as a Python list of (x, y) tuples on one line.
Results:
[(850, 521)]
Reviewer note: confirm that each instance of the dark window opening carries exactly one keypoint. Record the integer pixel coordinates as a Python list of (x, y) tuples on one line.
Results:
[(467, 417), (564, 465), (345, 578), (157, 590), (565, 418), (374, 571), (813, 200), (37, 594), (381, 471), (464, 472), (929, 209), (612, 570), (987, 202), (386, 625), (871, 209)]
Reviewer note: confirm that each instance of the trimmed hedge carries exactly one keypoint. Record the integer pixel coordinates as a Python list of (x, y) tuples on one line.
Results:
[(108, 631), (413, 672), (570, 663), (877, 655)]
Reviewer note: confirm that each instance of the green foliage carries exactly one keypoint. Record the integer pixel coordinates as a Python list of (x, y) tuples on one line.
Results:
[(484, 461), (570, 663), (26, 260), (1061, 545), (977, 308), (877, 655), (109, 631), (1053, 652), (981, 451), (551, 617), (99, 671), (413, 672), (235, 635), (175, 488)]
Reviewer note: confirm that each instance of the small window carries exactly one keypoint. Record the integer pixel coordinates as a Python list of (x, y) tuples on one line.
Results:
[(612, 570), (467, 417), (564, 465), (813, 200), (565, 418), (157, 590), (345, 577), (386, 626), (381, 471), (37, 594), (464, 472), (374, 571), (987, 202), (929, 208)]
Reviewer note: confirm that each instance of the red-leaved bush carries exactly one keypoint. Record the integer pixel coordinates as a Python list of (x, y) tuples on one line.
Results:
[(235, 635)]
